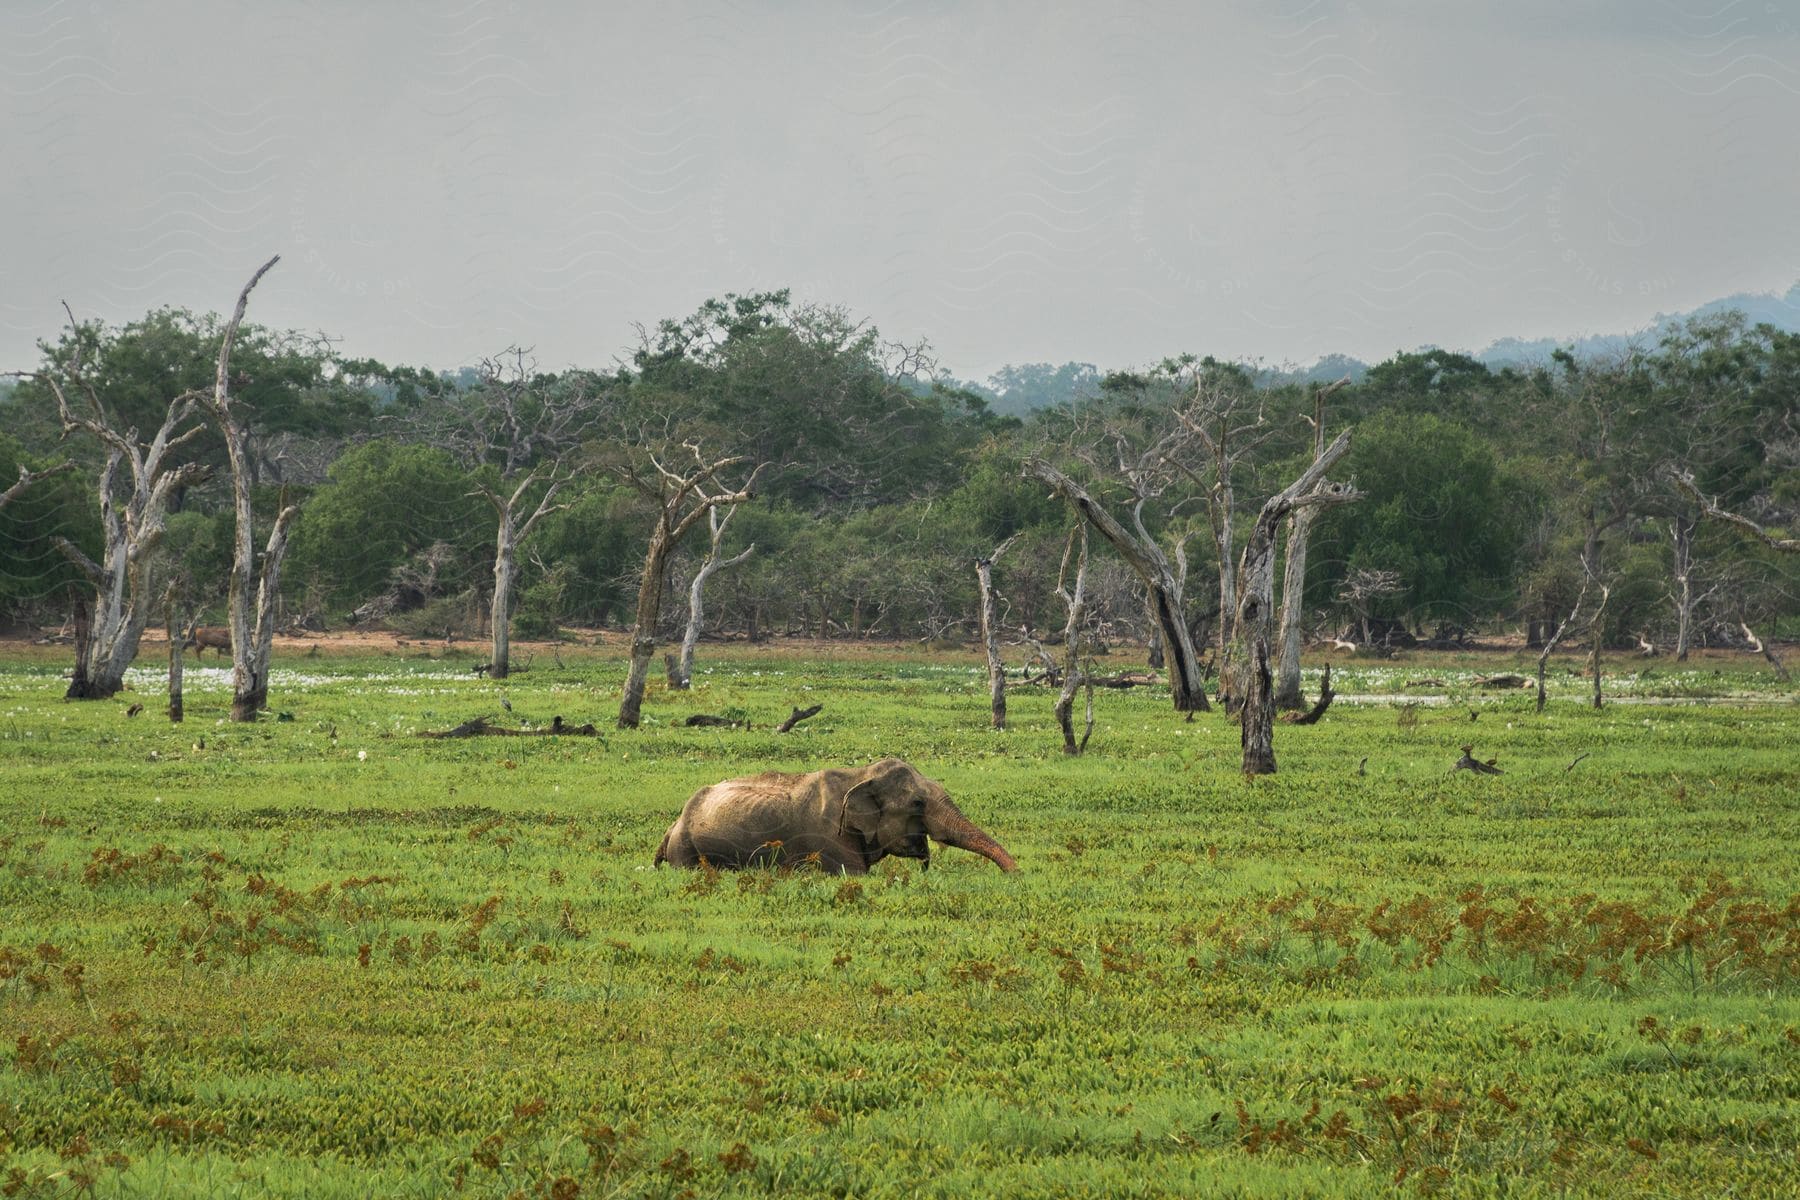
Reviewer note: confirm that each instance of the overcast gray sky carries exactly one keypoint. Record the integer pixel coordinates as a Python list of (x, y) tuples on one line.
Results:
[(1015, 181)]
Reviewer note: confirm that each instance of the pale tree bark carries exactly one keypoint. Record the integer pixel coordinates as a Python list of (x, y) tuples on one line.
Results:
[(1681, 541), (252, 631), (1293, 578), (1596, 635), (1711, 508), (27, 478), (1074, 597), (713, 563), (682, 499), (511, 528), (1215, 419), (1767, 651), (1254, 625), (134, 490), (1187, 682), (1554, 638), (990, 632)]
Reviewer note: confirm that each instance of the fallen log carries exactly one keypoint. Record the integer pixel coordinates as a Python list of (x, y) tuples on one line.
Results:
[(479, 727), (797, 716), (709, 721)]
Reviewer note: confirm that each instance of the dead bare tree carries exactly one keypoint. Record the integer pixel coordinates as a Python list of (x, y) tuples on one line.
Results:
[(132, 521), (1293, 580), (1710, 508), (683, 495), (1256, 599), (1220, 417), (251, 640), (1187, 681), (516, 429), (990, 631), (1074, 598), (1550, 642), (1363, 587), (713, 563)]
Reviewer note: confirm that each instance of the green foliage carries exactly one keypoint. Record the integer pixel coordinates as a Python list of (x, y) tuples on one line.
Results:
[(34, 575), (1437, 508), (334, 958), (543, 604), (383, 505)]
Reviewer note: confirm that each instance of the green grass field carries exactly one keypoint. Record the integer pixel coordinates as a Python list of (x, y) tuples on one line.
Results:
[(323, 956)]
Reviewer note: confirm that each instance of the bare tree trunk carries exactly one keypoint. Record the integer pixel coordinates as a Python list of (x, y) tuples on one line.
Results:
[(1075, 598), (251, 641), (684, 671), (84, 636), (1681, 538), (177, 643), (990, 633), (124, 579), (1256, 600), (1553, 639), (1257, 714), (500, 611), (643, 632), (1187, 684), (1154, 648), (1597, 635), (1293, 595), (1230, 694)]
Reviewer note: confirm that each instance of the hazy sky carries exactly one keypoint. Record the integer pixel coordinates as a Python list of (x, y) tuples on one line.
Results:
[(1016, 182)]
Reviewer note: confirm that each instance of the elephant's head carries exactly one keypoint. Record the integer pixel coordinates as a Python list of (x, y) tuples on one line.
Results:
[(892, 808)]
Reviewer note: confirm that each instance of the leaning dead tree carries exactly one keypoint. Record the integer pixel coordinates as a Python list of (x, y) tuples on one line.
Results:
[(682, 674), (1187, 680), (252, 635), (1786, 545), (683, 495), (1256, 600), (1074, 598), (136, 482), (990, 631), (1293, 579)]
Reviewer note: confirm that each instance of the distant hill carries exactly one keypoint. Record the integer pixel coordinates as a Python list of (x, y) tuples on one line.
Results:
[(1018, 390)]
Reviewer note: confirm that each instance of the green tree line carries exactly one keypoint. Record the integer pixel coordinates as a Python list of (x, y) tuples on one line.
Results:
[(1489, 498)]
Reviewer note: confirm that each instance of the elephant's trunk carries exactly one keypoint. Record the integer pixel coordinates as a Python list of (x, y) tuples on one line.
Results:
[(946, 823)]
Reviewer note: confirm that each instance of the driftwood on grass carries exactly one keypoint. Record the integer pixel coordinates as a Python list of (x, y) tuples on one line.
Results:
[(1468, 762), (797, 716), (479, 727), (1311, 716), (709, 721)]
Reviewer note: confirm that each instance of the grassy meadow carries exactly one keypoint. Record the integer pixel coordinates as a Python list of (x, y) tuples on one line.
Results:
[(324, 956)]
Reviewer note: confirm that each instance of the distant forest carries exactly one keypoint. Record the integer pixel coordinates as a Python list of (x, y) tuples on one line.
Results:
[(1493, 496)]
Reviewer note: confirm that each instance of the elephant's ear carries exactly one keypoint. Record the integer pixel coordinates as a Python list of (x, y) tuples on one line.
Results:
[(886, 782)]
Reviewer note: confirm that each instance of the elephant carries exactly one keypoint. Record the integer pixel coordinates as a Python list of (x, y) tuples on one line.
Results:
[(848, 818)]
